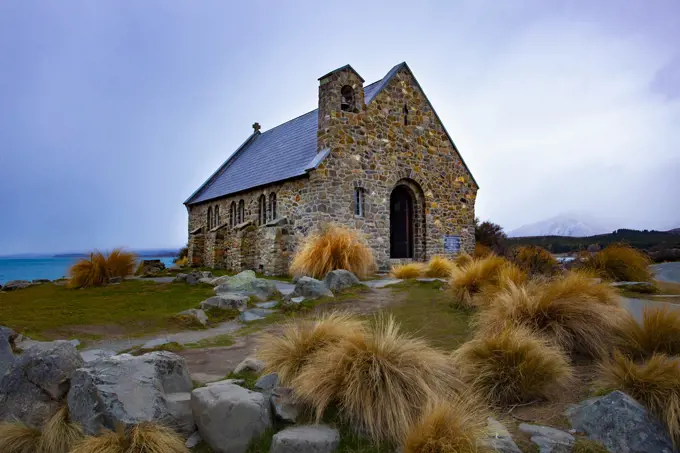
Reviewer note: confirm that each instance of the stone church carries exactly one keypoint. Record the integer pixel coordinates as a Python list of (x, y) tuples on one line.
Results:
[(373, 157)]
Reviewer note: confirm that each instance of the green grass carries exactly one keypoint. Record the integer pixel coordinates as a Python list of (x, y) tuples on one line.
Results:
[(170, 347), (212, 342), (583, 445), (248, 377), (51, 311)]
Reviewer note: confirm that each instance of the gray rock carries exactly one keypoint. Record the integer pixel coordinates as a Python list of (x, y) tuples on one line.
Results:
[(296, 300), (267, 383), (127, 390), (181, 277), (248, 316), (206, 274), (198, 314), (284, 406), (499, 439), (270, 304), (261, 288), (228, 417), (37, 281), (193, 440), (192, 279), (228, 381), (96, 354), (37, 381), (306, 439), (181, 418), (149, 268), (310, 288), (225, 301), (6, 353), (13, 285), (240, 280), (340, 279), (250, 364), (549, 440), (621, 424), (114, 280), (205, 281)]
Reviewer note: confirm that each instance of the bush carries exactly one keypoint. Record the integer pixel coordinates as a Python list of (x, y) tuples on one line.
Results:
[(581, 285), (482, 251), (481, 275), (462, 260), (120, 263), (380, 380), (334, 247), (455, 426), (490, 235), (89, 272), (183, 254), (287, 352), (576, 322), (658, 333), (535, 260), (407, 271), (16, 437), (182, 262), (619, 262), (514, 366), (439, 267), (654, 383), (60, 435)]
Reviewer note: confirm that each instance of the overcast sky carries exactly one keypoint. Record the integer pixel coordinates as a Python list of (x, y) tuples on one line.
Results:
[(113, 112)]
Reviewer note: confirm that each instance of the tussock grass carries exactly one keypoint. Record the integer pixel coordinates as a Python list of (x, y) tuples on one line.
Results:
[(408, 270), (153, 438), (576, 322), (535, 260), (581, 285), (514, 366), (462, 260), (483, 275), (659, 332), (455, 426), (619, 262), (16, 437), (60, 435), (439, 267), (333, 247), (90, 271), (379, 380), (107, 442), (482, 251), (289, 351), (183, 261), (654, 383), (120, 263)]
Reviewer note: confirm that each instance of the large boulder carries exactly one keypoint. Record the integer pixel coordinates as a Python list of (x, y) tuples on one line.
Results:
[(621, 424), (499, 438), (181, 415), (37, 381), (284, 405), (13, 285), (548, 439), (310, 288), (229, 417), (233, 301), (340, 279), (196, 315), (238, 281), (246, 283), (6, 353), (126, 390), (249, 365), (306, 439), (149, 268)]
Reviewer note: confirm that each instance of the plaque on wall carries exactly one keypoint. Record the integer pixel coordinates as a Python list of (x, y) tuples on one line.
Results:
[(452, 244)]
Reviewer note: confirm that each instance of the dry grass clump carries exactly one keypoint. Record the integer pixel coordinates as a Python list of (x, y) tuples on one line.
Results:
[(16, 437), (120, 263), (658, 333), (379, 380), (99, 268), (153, 438), (408, 270), (619, 262), (462, 260), (455, 426), (182, 262), (482, 251), (333, 247), (106, 442), (287, 353), (482, 275), (59, 434), (514, 366), (535, 260), (579, 284), (439, 267), (654, 383), (576, 322)]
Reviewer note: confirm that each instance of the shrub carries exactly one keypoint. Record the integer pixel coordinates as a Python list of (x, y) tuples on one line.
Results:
[(578, 323), (60, 435), (288, 352), (654, 383), (182, 262), (455, 426), (619, 262), (120, 263), (16, 437), (462, 260), (535, 260), (439, 267), (91, 271), (514, 366), (481, 274), (579, 284), (490, 234), (658, 333), (182, 254), (152, 438), (482, 251), (409, 270), (334, 247), (379, 380)]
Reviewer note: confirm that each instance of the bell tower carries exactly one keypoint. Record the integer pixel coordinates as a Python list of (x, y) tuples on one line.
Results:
[(341, 94)]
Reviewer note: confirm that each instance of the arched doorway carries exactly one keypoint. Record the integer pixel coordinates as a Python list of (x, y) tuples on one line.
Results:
[(402, 225)]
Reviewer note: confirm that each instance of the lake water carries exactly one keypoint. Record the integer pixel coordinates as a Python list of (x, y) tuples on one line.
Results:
[(50, 268)]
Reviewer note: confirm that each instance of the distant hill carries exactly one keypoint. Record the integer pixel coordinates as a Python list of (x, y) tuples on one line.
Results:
[(562, 225), (140, 253), (674, 231)]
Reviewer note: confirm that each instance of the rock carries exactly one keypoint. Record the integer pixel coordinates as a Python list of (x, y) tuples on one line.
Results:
[(229, 417), (228, 381), (198, 315), (226, 301), (499, 439), (621, 424), (6, 353), (206, 274), (126, 390), (270, 304), (180, 277), (38, 281), (13, 285), (549, 440), (96, 354), (250, 364), (37, 381), (310, 288), (637, 287), (284, 406), (239, 280), (192, 279), (267, 383), (114, 280), (149, 268), (296, 300), (306, 439), (193, 440), (246, 283), (248, 316), (205, 281), (340, 279), (181, 417)]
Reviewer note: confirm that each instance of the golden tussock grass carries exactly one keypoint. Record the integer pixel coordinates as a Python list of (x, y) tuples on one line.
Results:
[(333, 247), (90, 271), (482, 251), (454, 426), (514, 366), (60, 435), (576, 322), (183, 261), (654, 383), (619, 262), (581, 285), (287, 352), (106, 442), (379, 380), (408, 270), (153, 438), (439, 267), (16, 437), (462, 260), (482, 275), (535, 260), (659, 332), (120, 263)]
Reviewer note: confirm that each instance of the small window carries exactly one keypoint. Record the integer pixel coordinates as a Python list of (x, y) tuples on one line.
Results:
[(241, 211), (359, 203), (347, 103), (232, 214), (272, 206), (217, 216), (262, 210), (405, 115), (210, 218)]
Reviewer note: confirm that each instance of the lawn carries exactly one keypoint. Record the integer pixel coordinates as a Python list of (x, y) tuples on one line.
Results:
[(133, 307)]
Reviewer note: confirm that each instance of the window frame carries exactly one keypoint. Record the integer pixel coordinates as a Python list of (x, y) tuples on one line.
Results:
[(262, 210), (216, 216), (273, 215), (241, 211), (359, 202), (209, 217), (232, 214)]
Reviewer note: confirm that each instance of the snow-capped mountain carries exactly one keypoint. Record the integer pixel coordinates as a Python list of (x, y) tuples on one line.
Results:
[(562, 225)]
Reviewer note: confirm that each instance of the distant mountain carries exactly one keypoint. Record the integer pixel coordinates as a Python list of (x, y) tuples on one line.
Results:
[(674, 231), (562, 225)]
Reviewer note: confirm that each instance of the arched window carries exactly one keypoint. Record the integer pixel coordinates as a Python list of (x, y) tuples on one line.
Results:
[(210, 218), (232, 213), (272, 206), (217, 216), (359, 203), (241, 211), (262, 210), (347, 102)]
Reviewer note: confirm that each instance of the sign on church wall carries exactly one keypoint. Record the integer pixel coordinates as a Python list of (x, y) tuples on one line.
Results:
[(452, 244)]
